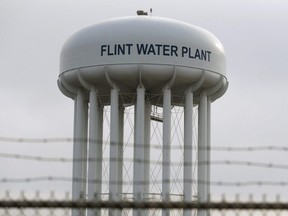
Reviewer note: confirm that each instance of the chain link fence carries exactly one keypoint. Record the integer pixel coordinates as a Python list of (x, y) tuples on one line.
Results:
[(35, 205), (269, 176)]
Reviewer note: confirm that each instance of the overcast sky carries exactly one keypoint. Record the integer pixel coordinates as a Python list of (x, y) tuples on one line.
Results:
[(253, 112)]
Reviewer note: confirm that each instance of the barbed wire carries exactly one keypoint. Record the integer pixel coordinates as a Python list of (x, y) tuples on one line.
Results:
[(35, 140), (212, 183), (153, 146), (38, 158), (69, 160), (251, 164)]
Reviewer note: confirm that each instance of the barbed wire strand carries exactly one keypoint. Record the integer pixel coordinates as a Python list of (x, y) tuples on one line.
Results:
[(69, 160), (213, 183), (156, 146)]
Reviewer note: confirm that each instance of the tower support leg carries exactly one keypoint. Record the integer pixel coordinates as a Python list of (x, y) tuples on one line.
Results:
[(208, 150), (166, 148), (114, 141), (80, 151), (120, 155), (202, 151), (147, 153), (188, 137), (138, 188), (95, 151)]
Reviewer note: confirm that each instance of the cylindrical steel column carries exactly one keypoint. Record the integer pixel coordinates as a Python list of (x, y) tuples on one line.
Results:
[(120, 157), (138, 188), (139, 145), (95, 151), (208, 146), (188, 137), (114, 141), (79, 151), (120, 152), (147, 148), (85, 149), (208, 150), (166, 147), (202, 151), (146, 172)]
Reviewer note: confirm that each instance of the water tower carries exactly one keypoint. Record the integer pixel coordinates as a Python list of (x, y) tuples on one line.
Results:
[(140, 62)]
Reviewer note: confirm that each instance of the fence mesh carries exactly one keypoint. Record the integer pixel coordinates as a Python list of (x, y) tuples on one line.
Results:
[(35, 204)]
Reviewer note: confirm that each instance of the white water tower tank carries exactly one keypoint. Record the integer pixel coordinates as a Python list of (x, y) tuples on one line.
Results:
[(147, 61)]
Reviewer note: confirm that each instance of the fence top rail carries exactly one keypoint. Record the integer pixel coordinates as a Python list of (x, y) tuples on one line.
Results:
[(144, 205)]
